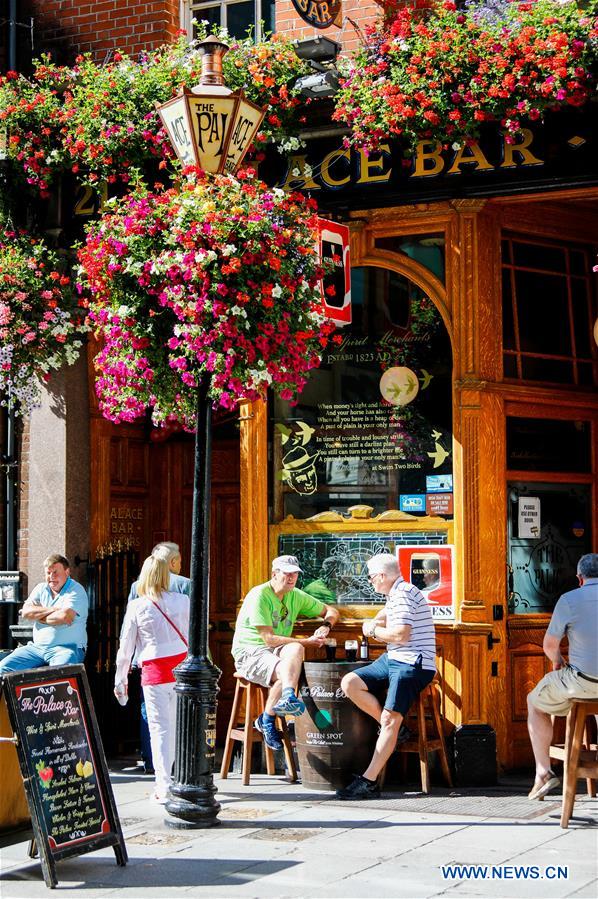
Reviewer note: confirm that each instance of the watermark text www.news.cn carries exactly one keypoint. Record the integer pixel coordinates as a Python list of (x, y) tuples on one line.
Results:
[(504, 872)]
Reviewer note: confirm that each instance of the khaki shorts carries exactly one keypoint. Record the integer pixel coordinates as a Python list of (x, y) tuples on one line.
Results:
[(555, 692), (258, 665)]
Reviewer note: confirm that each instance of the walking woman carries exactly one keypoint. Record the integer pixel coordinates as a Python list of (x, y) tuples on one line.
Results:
[(156, 627)]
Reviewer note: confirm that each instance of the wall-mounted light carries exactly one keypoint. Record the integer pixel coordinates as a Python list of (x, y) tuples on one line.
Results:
[(321, 53)]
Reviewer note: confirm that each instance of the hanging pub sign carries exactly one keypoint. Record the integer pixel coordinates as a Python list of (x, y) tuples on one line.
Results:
[(336, 284), (319, 13), (62, 764)]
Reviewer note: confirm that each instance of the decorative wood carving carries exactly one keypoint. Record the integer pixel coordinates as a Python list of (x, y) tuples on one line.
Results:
[(471, 680), (323, 517), (360, 512), (471, 506), (395, 515)]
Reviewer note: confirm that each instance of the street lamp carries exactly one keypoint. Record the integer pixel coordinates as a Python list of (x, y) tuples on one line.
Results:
[(211, 127)]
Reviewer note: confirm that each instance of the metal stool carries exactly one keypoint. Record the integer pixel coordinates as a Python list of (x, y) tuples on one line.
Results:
[(423, 744), (579, 760), (242, 730)]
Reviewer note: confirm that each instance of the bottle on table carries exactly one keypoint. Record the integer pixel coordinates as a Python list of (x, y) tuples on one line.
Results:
[(364, 649)]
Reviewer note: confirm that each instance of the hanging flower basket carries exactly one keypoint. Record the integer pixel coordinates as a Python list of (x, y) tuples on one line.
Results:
[(41, 321), (217, 282), (441, 76), (100, 122)]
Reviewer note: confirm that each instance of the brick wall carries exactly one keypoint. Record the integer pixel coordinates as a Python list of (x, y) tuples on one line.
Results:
[(361, 12), (68, 27)]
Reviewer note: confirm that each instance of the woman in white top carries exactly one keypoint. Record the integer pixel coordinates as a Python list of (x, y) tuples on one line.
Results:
[(156, 628)]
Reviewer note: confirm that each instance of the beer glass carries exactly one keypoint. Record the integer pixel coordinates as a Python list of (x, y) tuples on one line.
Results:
[(351, 650), (330, 647)]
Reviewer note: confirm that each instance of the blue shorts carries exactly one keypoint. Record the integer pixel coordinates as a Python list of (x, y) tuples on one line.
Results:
[(403, 682)]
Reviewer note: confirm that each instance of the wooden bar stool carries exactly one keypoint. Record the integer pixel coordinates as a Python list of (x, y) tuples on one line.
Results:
[(423, 744), (241, 729), (578, 760)]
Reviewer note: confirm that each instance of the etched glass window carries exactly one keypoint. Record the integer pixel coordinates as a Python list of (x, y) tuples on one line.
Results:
[(374, 424)]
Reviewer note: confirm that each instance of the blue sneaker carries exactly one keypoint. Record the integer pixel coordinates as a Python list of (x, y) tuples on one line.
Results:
[(270, 733), (289, 705)]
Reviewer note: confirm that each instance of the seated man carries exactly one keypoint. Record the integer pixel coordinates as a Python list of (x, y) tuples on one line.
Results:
[(58, 609), (263, 649), (409, 664), (576, 617)]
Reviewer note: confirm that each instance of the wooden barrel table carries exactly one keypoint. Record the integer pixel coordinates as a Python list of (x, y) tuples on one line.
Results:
[(334, 739)]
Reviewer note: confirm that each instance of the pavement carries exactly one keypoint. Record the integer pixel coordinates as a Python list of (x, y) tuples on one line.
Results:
[(281, 840)]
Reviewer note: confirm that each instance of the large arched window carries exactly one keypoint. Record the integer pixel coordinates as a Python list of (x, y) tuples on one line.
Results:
[(374, 424)]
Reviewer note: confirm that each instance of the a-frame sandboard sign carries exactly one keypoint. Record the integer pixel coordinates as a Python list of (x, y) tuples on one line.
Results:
[(62, 764)]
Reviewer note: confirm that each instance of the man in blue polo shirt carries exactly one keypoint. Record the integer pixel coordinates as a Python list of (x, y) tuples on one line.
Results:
[(58, 609)]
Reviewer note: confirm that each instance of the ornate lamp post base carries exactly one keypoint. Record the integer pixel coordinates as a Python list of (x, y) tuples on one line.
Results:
[(191, 800)]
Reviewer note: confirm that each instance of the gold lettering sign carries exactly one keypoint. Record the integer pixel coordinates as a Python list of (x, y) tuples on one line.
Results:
[(248, 118), (209, 119), (126, 522), (342, 167), (320, 13)]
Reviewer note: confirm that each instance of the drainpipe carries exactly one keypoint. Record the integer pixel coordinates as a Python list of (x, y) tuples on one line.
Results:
[(12, 35), (10, 460)]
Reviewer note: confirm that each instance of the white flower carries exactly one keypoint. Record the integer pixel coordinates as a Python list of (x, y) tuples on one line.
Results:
[(229, 249), (277, 292)]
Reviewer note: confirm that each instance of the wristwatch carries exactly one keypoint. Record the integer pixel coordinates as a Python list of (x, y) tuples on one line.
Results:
[(327, 624)]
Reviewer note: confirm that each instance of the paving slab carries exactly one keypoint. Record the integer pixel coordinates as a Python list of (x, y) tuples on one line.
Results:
[(279, 840)]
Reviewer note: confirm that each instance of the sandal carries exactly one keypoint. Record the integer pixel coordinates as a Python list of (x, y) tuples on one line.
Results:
[(541, 787)]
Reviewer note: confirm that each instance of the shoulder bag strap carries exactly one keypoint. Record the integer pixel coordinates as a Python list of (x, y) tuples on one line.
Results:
[(171, 623)]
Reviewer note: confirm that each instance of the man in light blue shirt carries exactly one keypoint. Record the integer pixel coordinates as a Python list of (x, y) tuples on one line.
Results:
[(58, 609), (575, 616), (170, 553)]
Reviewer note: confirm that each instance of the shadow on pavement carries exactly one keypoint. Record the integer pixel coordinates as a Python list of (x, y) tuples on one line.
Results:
[(92, 874)]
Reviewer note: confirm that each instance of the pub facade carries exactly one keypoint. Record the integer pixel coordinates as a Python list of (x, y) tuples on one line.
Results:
[(455, 424)]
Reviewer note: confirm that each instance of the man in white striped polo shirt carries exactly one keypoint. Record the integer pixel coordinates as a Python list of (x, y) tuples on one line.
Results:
[(405, 625)]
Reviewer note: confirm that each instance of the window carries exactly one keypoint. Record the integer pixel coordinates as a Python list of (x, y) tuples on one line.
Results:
[(237, 16), (373, 425), (548, 312)]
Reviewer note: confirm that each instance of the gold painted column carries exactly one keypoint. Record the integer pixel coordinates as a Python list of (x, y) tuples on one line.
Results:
[(254, 495), (474, 251)]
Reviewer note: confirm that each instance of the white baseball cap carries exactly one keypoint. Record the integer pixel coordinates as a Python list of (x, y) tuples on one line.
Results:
[(288, 564)]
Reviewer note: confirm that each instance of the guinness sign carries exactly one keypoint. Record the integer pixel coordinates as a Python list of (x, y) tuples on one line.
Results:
[(319, 13)]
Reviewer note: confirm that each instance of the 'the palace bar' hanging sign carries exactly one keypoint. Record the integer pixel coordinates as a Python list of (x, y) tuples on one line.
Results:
[(319, 13)]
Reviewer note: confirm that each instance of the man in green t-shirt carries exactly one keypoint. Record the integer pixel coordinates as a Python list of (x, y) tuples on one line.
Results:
[(263, 649)]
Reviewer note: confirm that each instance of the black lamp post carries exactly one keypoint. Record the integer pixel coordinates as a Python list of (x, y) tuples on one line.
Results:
[(211, 127)]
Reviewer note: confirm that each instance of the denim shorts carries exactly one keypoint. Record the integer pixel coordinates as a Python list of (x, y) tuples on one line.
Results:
[(403, 682)]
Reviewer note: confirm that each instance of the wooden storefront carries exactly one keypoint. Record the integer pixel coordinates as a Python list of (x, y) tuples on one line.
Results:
[(506, 263)]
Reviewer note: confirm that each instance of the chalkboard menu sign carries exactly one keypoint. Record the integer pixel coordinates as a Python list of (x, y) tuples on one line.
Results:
[(63, 765)]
